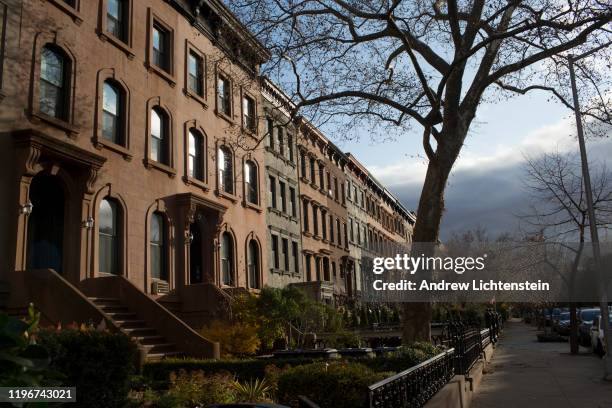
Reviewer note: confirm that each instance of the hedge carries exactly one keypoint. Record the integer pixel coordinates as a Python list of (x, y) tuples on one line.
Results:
[(157, 373), (329, 385), (99, 364)]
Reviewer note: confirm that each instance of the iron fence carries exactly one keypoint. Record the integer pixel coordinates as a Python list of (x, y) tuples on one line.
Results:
[(413, 387)]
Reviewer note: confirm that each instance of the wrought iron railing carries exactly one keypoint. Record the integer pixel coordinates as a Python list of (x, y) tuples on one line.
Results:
[(413, 387)]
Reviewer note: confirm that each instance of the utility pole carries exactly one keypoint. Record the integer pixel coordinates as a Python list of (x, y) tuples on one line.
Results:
[(607, 361)]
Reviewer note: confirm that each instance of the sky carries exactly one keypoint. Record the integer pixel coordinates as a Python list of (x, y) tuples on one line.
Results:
[(485, 187)]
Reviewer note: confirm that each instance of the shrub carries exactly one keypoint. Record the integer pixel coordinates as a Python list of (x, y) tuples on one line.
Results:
[(330, 385), (23, 362), (196, 388), (99, 364), (237, 339), (157, 373), (343, 339), (255, 390), (407, 357)]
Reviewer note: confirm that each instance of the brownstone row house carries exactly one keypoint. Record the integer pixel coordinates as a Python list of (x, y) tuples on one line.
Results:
[(136, 188)]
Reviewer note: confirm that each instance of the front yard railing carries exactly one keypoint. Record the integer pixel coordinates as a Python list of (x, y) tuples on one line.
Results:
[(414, 386)]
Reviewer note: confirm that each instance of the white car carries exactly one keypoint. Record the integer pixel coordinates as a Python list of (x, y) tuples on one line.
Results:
[(597, 335)]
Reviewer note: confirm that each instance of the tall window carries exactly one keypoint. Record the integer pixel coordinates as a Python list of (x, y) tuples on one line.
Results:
[(226, 170), (285, 254), (108, 236), (312, 170), (272, 182), (195, 73), (195, 155), (227, 259), (253, 264), (331, 229), (54, 83), (275, 257), (248, 113), (281, 140), (324, 224), (321, 176), (159, 136), (295, 257), (290, 146), (283, 195), (292, 202), (224, 96), (339, 231), (315, 219), (305, 217), (117, 15), (251, 182), (158, 247), (112, 113), (270, 132), (161, 47)]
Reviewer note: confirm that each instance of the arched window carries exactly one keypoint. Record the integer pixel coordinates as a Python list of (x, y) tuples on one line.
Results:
[(253, 264), (251, 183), (226, 170), (54, 83), (158, 247), (227, 259), (159, 136), (108, 230), (195, 155), (112, 113)]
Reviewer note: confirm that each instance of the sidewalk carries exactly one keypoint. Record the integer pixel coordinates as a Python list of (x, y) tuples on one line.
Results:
[(526, 374)]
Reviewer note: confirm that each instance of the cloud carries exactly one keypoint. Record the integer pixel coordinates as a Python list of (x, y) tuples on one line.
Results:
[(486, 190)]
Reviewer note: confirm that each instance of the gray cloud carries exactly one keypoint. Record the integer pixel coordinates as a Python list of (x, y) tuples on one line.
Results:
[(487, 196)]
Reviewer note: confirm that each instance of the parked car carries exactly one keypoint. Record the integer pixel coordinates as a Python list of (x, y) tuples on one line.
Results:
[(586, 317), (562, 324), (597, 335)]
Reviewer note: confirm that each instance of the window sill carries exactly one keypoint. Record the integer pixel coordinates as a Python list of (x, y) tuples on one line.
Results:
[(70, 129), (250, 132), (225, 116), (252, 206), (306, 234), (196, 182), (165, 75), (227, 196), (71, 11), (171, 172), (101, 143), (195, 97), (104, 37)]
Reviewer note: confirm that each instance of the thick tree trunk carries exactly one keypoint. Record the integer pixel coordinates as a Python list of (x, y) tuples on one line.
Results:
[(416, 317)]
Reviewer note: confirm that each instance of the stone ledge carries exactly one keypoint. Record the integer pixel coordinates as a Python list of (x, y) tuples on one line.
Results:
[(458, 393)]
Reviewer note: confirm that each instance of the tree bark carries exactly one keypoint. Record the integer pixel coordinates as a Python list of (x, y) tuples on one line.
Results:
[(416, 316)]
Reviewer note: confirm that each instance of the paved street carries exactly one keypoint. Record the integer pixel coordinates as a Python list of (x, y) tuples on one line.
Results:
[(525, 374)]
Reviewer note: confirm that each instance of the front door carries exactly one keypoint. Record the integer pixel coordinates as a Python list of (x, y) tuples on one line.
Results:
[(46, 224), (195, 255)]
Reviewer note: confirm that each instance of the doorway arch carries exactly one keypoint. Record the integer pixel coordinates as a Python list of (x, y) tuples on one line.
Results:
[(45, 248)]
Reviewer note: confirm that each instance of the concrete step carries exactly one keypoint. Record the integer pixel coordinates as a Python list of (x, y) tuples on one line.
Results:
[(139, 331), (131, 323), (159, 348), (121, 316), (148, 339), (104, 301)]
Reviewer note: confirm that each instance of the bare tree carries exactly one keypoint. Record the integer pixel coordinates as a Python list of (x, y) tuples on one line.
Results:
[(559, 210), (430, 64)]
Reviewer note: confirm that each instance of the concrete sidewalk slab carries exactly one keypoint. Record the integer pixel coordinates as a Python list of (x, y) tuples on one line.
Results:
[(525, 374)]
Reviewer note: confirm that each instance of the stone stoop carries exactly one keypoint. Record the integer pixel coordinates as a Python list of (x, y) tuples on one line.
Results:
[(154, 346)]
